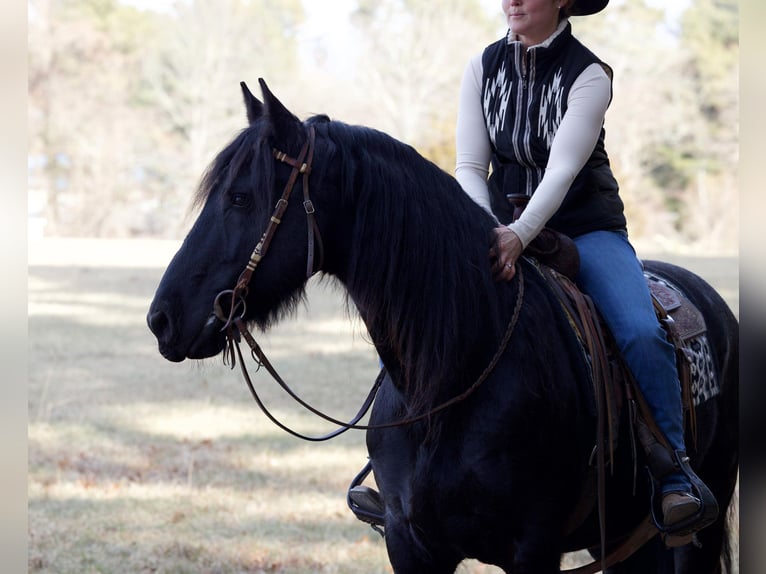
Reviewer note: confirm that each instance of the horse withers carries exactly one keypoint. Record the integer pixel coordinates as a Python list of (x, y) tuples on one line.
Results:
[(498, 475)]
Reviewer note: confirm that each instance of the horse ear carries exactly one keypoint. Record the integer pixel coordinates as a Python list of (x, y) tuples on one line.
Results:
[(253, 105), (282, 120)]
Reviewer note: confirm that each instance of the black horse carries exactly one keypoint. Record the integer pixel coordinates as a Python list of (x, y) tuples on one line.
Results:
[(496, 476)]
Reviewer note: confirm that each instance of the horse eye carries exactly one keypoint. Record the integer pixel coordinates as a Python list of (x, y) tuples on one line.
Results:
[(240, 199)]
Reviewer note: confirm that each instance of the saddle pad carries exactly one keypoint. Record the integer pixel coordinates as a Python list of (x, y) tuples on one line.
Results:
[(704, 382)]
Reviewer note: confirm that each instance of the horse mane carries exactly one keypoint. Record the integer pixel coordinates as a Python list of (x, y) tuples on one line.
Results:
[(419, 270)]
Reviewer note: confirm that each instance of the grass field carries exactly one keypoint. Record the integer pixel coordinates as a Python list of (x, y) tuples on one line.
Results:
[(137, 465)]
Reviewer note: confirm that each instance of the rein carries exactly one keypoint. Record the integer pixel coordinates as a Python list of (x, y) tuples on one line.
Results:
[(236, 329), (262, 361)]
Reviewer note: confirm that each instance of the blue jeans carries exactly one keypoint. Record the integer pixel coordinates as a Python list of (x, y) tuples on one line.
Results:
[(611, 274)]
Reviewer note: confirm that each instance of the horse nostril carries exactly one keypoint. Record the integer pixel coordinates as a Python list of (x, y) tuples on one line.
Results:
[(159, 324)]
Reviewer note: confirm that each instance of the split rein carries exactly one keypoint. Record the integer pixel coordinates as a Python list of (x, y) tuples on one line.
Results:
[(236, 329)]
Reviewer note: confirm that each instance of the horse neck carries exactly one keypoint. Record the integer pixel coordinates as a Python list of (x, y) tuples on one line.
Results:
[(418, 272)]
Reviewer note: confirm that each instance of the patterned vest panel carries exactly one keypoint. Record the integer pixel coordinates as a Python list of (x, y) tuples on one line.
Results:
[(524, 96)]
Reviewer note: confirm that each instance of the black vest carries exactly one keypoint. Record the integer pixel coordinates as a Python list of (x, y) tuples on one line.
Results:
[(524, 96)]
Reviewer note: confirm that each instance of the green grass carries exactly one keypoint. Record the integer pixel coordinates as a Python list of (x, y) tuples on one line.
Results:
[(137, 465)]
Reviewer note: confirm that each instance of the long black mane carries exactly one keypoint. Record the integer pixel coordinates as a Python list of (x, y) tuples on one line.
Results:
[(240, 153), (415, 301)]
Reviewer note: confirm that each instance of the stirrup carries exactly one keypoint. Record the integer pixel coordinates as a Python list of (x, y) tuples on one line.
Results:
[(682, 532), (366, 503)]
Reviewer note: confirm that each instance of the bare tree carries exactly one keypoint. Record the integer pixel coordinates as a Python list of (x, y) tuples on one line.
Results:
[(675, 162), (410, 64), (78, 132), (192, 82), (126, 106)]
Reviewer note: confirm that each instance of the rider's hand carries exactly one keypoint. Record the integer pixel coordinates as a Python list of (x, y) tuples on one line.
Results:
[(504, 253)]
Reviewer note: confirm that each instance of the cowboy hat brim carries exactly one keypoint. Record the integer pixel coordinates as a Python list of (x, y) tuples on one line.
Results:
[(587, 7)]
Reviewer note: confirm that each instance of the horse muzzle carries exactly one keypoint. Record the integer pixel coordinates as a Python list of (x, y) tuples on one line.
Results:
[(162, 326), (208, 342)]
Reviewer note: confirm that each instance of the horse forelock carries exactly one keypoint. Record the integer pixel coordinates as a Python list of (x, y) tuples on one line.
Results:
[(251, 148), (419, 269)]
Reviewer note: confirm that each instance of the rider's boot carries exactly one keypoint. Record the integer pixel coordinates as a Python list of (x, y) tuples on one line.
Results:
[(686, 504), (365, 502)]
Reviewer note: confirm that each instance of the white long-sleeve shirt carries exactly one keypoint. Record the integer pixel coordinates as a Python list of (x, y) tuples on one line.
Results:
[(572, 145)]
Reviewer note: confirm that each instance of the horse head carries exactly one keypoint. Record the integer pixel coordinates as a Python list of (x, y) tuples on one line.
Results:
[(242, 195)]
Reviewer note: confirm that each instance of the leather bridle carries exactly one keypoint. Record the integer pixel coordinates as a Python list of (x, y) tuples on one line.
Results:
[(301, 166), (235, 327)]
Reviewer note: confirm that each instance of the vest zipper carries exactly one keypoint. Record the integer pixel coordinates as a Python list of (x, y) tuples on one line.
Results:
[(524, 77), (521, 131)]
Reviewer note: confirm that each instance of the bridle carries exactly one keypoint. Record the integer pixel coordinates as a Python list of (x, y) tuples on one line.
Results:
[(301, 166), (235, 327)]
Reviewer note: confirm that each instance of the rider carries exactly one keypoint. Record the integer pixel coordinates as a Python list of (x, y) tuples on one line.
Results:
[(532, 105)]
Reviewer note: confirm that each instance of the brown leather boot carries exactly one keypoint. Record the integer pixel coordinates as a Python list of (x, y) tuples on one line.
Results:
[(367, 504), (678, 506)]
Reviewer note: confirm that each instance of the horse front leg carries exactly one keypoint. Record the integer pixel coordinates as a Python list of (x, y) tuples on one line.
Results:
[(537, 526), (536, 557), (409, 555)]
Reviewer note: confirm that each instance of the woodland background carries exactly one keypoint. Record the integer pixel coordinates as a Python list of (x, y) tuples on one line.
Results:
[(127, 106)]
